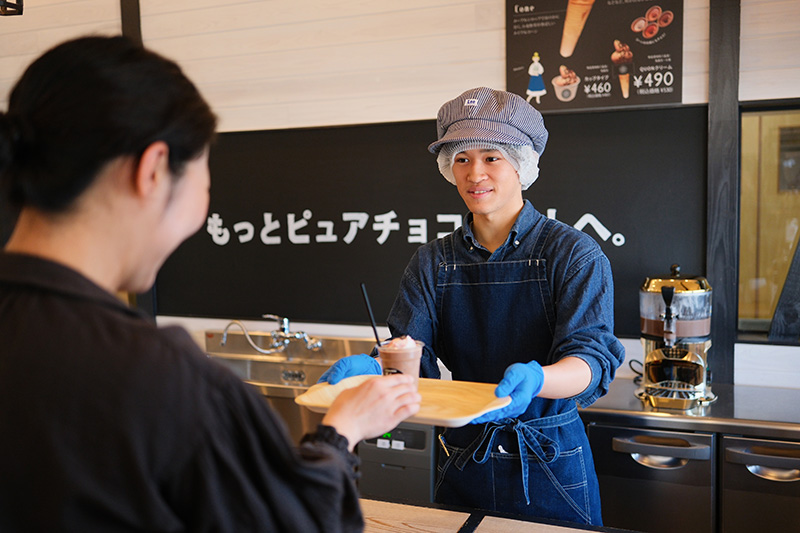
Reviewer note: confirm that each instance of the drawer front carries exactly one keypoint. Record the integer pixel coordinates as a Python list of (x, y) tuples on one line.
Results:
[(760, 485), (655, 481)]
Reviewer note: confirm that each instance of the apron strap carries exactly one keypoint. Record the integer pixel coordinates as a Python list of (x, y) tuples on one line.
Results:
[(541, 239), (448, 250)]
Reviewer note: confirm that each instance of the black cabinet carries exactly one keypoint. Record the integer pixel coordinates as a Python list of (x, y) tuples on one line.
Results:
[(665, 480), (399, 465), (760, 485), (655, 481)]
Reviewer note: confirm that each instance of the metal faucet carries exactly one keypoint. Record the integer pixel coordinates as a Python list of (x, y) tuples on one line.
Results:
[(276, 346), (284, 335), (667, 293)]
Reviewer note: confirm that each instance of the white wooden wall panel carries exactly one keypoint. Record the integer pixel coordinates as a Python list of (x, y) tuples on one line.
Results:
[(45, 23), (376, 57), (769, 57), (341, 19), (278, 64)]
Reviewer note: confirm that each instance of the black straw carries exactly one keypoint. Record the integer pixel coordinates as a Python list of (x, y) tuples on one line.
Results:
[(369, 310)]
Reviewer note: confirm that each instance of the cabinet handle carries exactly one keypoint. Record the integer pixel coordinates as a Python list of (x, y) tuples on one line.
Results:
[(743, 456), (700, 452)]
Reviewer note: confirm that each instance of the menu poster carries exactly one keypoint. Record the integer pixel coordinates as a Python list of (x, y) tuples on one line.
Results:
[(566, 55)]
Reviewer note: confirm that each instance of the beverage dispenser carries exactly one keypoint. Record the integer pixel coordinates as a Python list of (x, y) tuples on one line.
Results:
[(675, 319)]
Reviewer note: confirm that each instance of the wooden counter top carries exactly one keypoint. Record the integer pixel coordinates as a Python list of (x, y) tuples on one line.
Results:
[(396, 517), (493, 524), (385, 516)]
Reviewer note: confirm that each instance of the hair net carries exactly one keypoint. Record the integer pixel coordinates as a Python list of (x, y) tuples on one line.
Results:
[(523, 158)]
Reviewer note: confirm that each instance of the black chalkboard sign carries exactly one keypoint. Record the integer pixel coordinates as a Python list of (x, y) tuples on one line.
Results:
[(371, 188), (300, 217)]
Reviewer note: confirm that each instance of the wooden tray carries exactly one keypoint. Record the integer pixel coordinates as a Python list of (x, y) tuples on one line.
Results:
[(444, 402)]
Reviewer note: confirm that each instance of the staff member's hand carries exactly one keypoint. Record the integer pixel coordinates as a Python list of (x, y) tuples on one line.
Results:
[(522, 381), (373, 408), (353, 365)]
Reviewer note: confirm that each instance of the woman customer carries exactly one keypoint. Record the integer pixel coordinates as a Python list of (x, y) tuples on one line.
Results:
[(513, 298), (109, 423)]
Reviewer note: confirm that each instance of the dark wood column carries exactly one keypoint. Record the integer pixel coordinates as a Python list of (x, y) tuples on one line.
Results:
[(722, 245), (131, 20)]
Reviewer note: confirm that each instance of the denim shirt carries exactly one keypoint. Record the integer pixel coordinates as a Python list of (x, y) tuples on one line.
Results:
[(579, 277)]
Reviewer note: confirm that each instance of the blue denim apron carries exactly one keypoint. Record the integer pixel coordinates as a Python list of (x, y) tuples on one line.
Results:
[(493, 314)]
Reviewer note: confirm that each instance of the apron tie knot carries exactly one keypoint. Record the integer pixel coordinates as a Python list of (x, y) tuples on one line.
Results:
[(529, 439)]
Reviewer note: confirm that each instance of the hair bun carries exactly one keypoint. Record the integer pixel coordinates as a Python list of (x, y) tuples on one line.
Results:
[(13, 139)]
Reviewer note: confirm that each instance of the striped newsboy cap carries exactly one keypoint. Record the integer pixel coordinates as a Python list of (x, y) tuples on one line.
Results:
[(484, 114)]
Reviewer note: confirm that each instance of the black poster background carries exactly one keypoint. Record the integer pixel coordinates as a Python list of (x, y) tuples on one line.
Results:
[(630, 169), (655, 76)]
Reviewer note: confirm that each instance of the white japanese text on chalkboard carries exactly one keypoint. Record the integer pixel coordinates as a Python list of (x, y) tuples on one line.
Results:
[(298, 230)]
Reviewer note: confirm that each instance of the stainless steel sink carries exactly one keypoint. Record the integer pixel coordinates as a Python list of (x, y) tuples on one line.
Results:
[(293, 363)]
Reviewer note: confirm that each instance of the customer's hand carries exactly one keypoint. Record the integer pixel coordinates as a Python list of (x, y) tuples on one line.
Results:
[(353, 365), (373, 408), (522, 381)]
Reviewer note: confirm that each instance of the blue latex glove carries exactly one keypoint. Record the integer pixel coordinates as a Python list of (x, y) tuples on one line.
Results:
[(353, 365), (522, 381)]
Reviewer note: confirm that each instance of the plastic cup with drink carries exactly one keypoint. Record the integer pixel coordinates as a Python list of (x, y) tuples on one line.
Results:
[(401, 355)]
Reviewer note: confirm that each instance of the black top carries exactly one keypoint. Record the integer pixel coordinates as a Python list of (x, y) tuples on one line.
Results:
[(108, 423)]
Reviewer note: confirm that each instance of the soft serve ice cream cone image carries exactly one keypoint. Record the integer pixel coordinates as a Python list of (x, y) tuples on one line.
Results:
[(574, 20), (622, 57), (565, 84)]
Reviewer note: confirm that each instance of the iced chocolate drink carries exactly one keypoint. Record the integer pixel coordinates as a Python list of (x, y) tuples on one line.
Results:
[(577, 12), (401, 355)]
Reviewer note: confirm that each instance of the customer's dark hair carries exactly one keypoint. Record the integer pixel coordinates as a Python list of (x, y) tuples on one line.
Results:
[(83, 104)]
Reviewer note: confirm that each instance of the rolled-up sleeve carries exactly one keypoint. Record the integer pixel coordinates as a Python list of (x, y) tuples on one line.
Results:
[(585, 321), (414, 309)]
